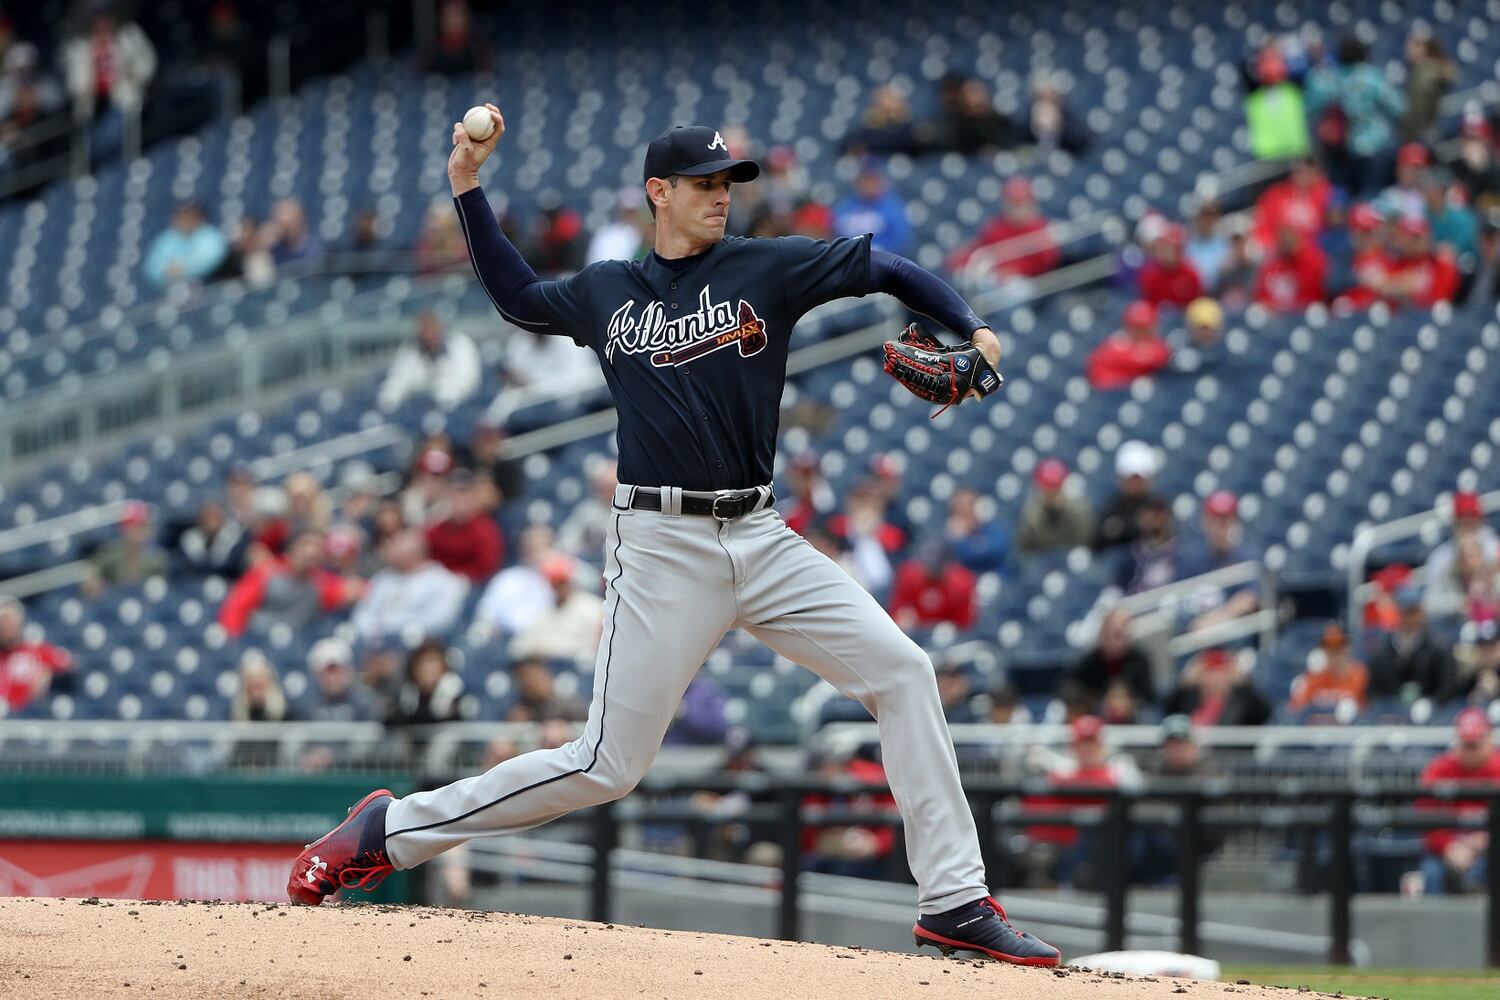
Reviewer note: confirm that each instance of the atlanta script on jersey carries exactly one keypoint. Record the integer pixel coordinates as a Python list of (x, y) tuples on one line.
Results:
[(712, 326)]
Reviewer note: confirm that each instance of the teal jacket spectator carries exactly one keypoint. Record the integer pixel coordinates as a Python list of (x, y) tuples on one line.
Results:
[(189, 250), (1453, 222), (1371, 106)]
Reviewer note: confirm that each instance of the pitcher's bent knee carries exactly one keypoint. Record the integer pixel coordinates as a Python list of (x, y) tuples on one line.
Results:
[(906, 671)]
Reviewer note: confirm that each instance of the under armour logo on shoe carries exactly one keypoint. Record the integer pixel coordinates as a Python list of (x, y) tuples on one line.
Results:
[(719, 143), (312, 871)]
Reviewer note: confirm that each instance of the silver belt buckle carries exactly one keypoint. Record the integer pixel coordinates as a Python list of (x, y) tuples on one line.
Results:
[(713, 509)]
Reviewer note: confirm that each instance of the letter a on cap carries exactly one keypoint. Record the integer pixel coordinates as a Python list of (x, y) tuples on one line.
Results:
[(719, 143)]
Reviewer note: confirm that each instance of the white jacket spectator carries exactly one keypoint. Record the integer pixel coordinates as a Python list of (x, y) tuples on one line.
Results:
[(570, 628), (519, 595), (445, 366), (108, 58), (411, 592), (532, 358)]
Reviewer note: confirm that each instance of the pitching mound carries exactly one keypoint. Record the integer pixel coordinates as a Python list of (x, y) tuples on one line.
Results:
[(113, 948)]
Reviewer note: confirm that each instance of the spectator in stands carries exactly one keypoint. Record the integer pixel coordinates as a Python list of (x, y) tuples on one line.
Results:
[(1299, 203), (624, 236), (1237, 277), (969, 122), (1069, 849), (286, 234), (293, 590), (344, 552), (412, 593), (1356, 108), (931, 589), (259, 697), (300, 504), (1222, 545), (1051, 518), (27, 99), (979, 543), (1455, 227), (584, 530), (519, 594), (130, 558), (467, 541), (460, 48), (1197, 346), (1155, 850), (1049, 123), (537, 698), (1137, 350), (1332, 676), (854, 851), (215, 544), (1155, 552), (338, 696), (246, 258), (873, 541), (1002, 706), (426, 492), (1018, 242), (955, 693), (1409, 663), (701, 719), (108, 66), (570, 628), (1447, 587), (21, 73), (1114, 657), (1168, 278), (1135, 470), (886, 126), (873, 207), (1477, 169), (191, 249), (239, 496), (1478, 658), (1212, 691), (1370, 263), (1404, 199), (1457, 860), (440, 364), (1275, 111), (1181, 754), (1207, 243), (440, 246), (502, 479), (27, 668), (1418, 275), (558, 240), (432, 690), (811, 498), (554, 364), (1429, 75)]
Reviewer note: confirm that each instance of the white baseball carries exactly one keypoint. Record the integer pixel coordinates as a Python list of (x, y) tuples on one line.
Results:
[(478, 123)]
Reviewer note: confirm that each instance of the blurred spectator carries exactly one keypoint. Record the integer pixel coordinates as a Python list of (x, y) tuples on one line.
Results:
[(1299, 203), (1154, 554), (460, 48), (1476, 168), (258, 698), (411, 592), (1417, 274), (1137, 350), (215, 544), (537, 698), (570, 628), (27, 98), (783, 181), (583, 532), (1135, 468), (559, 242), (978, 541), (624, 236), (1221, 546), (700, 718), (467, 541), (239, 496), (1237, 276), (1409, 663), (1404, 199), (503, 476), (812, 219), (1274, 110), (366, 230), (26, 668), (300, 504), (426, 489), (440, 364), (873, 207), (1446, 590), (338, 696), (1429, 75), (1457, 860), (872, 539), (811, 498), (293, 590), (1121, 707), (1067, 851), (931, 588), (440, 245), (1207, 244), (886, 126), (955, 693), (286, 235), (1478, 659), (1181, 755), (554, 364), (1003, 706), (1356, 109), (344, 552), (1454, 224), (130, 558), (1168, 278), (1114, 657), (246, 257), (519, 594), (1212, 691), (1469, 587), (190, 249), (1371, 264), (108, 66), (1049, 123), (432, 690), (854, 851), (1018, 242), (969, 122), (1155, 848), (1197, 347), (1051, 518), (1332, 676), (21, 71)]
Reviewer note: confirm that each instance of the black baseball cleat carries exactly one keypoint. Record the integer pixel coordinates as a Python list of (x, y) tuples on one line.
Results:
[(350, 856), (983, 927)]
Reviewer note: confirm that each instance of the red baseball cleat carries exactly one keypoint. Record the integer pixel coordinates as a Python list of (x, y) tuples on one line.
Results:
[(350, 856)]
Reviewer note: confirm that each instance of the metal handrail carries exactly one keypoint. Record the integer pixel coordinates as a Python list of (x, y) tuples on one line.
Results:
[(985, 258)]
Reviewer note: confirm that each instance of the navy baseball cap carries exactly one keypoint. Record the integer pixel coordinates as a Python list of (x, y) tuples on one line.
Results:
[(693, 151)]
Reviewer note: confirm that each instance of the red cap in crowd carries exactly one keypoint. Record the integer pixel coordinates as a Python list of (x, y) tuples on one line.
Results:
[(1413, 154), (1174, 234), (1412, 225), (1140, 314), (1051, 474), (1466, 505), (1364, 219), (1222, 503), (1087, 728), (1216, 659), (557, 568), (1471, 726)]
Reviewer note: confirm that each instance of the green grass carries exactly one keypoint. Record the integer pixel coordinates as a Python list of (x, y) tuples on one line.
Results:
[(1393, 984)]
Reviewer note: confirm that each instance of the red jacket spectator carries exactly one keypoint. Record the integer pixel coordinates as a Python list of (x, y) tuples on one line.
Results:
[(1474, 761), (933, 589), (1091, 770), (26, 668), (1134, 352), (1021, 218), (1372, 267), (285, 588), (1168, 277), (1299, 203), (865, 772), (1292, 278), (468, 541)]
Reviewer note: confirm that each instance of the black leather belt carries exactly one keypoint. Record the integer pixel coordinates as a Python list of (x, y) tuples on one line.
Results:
[(724, 506)]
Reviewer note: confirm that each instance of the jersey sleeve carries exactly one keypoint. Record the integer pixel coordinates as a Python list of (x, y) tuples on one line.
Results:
[(817, 271)]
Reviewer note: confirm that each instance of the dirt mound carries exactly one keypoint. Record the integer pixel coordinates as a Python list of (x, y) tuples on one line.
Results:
[(109, 948)]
